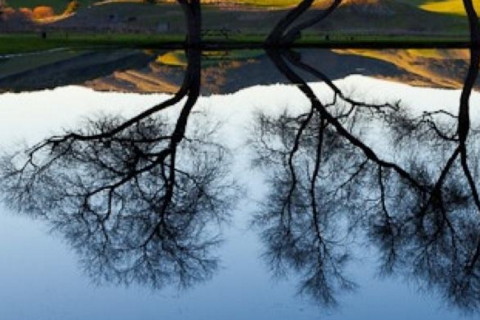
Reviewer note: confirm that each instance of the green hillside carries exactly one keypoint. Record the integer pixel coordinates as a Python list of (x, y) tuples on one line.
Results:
[(440, 6), (451, 7), (59, 5)]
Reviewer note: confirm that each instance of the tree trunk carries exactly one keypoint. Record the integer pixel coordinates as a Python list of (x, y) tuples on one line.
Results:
[(275, 37), (295, 32), (464, 112), (280, 35), (193, 20)]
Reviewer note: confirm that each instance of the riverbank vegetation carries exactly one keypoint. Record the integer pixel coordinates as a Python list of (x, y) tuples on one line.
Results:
[(22, 43)]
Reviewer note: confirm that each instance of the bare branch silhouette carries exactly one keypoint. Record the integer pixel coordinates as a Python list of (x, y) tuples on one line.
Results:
[(138, 199), (420, 209)]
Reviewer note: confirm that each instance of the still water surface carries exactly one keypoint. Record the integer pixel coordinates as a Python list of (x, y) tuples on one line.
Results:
[(251, 201)]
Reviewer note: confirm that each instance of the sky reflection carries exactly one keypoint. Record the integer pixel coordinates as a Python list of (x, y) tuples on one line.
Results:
[(56, 288)]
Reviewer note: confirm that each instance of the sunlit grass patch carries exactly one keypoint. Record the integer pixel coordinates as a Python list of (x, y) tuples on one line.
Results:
[(438, 54), (177, 57), (448, 6)]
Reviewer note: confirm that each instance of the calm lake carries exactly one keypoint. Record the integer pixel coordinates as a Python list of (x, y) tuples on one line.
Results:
[(307, 184)]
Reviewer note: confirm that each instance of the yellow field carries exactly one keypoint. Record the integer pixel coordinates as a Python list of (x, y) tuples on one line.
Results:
[(448, 6), (417, 62)]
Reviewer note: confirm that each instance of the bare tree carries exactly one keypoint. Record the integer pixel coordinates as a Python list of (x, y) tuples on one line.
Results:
[(136, 198), (309, 216), (193, 19), (326, 181)]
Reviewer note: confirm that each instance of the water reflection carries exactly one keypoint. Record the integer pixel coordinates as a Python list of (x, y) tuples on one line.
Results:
[(136, 198), (330, 181), (140, 198), (223, 72)]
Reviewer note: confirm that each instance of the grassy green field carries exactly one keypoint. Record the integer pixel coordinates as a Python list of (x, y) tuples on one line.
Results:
[(247, 27), (21, 64), (21, 43)]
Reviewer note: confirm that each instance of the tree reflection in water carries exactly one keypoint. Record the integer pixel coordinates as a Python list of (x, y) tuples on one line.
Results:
[(138, 199), (328, 178)]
